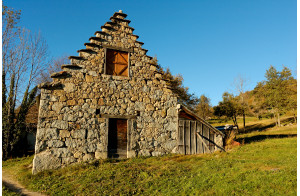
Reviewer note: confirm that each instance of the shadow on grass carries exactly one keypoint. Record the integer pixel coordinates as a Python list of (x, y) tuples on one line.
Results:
[(258, 138), (12, 187), (260, 127)]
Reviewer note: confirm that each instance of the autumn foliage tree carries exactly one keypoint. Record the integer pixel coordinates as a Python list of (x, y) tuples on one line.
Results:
[(204, 108), (228, 107)]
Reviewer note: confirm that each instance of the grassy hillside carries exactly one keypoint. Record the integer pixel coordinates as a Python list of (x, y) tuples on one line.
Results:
[(266, 165), (253, 123)]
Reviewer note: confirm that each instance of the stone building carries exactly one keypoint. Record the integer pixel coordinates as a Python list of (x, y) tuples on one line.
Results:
[(112, 102)]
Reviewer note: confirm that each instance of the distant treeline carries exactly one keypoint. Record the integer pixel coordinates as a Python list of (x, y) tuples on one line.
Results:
[(271, 98)]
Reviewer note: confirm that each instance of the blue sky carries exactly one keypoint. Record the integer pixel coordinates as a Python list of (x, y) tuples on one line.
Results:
[(208, 42)]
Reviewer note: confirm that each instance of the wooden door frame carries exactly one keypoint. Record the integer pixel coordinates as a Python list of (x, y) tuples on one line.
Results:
[(130, 128)]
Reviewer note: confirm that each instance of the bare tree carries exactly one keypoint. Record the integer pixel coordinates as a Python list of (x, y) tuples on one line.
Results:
[(240, 85), (24, 55), (54, 65)]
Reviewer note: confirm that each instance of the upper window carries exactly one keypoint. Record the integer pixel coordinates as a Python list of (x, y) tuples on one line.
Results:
[(116, 63)]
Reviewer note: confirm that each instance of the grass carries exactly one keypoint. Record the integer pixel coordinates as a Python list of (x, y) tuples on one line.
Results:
[(7, 192), (266, 166), (224, 121), (253, 123)]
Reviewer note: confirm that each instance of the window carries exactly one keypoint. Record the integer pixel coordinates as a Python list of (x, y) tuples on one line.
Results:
[(116, 63)]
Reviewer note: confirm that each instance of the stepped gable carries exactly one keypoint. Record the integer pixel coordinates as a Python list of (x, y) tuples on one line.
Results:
[(109, 37), (111, 101)]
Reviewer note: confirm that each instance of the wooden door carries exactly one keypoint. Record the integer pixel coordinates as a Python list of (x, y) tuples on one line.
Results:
[(117, 138)]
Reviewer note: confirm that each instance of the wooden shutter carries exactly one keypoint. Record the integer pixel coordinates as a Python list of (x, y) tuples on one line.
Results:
[(116, 63)]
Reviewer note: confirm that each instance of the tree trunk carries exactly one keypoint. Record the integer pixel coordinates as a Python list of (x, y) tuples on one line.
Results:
[(235, 123), (295, 119), (244, 121), (278, 119), (275, 119)]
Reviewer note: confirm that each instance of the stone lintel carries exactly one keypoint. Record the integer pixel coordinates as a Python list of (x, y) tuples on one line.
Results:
[(117, 116), (118, 48)]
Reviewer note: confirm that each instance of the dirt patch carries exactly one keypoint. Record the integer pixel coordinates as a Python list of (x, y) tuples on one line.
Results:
[(15, 186)]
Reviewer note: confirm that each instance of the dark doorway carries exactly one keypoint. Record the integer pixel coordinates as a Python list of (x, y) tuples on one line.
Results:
[(117, 138)]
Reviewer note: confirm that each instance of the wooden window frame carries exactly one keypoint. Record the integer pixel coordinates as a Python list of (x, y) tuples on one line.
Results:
[(105, 64)]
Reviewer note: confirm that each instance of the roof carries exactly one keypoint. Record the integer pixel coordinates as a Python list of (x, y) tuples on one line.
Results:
[(200, 119)]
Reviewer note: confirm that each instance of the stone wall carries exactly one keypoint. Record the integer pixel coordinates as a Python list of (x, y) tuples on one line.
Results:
[(72, 126)]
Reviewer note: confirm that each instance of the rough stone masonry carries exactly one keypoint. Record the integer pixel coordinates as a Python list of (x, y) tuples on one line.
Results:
[(112, 78), (75, 107)]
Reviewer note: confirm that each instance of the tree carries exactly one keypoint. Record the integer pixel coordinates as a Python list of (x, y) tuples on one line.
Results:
[(176, 84), (278, 92), (53, 66), (242, 98), (228, 107), (204, 109), (23, 57)]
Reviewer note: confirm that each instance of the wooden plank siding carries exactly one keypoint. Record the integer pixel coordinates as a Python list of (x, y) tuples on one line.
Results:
[(194, 137), (181, 146)]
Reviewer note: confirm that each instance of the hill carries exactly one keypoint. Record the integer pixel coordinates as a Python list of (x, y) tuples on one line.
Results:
[(265, 165)]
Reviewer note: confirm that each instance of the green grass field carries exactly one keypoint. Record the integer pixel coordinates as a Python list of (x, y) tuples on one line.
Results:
[(267, 165)]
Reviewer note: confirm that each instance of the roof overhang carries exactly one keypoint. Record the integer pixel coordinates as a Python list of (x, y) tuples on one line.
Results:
[(181, 107)]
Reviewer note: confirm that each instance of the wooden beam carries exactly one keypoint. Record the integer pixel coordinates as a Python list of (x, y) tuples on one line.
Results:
[(122, 70), (203, 142)]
